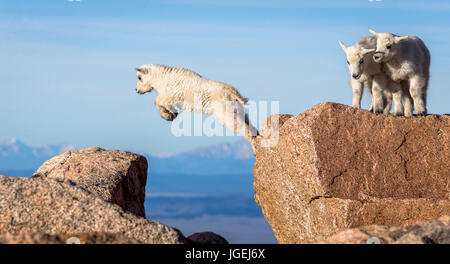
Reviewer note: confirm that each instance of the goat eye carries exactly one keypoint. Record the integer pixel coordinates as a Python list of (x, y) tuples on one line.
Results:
[(361, 61), (139, 78), (348, 62), (388, 46)]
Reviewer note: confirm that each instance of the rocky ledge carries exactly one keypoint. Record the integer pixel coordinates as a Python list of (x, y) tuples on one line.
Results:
[(55, 206), (116, 176), (92, 194), (335, 167)]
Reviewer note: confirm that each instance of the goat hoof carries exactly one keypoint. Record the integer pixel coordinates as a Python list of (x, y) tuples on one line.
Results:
[(172, 116), (398, 114), (422, 114)]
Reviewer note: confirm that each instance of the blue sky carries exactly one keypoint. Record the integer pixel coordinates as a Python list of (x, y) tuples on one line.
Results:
[(66, 68)]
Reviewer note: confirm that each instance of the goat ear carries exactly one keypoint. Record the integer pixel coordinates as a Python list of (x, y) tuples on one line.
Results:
[(343, 46), (373, 32), (398, 39), (141, 70)]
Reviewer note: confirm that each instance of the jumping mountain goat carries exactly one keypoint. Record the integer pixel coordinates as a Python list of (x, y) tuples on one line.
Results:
[(183, 89), (364, 71), (406, 60)]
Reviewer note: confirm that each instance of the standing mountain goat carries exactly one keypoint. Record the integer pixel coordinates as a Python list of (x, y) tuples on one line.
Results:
[(183, 89), (365, 72), (406, 60)]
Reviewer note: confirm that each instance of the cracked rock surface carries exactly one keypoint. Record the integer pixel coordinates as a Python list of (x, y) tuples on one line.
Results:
[(336, 167)]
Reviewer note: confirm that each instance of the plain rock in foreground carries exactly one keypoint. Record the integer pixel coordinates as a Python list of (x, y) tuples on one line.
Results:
[(55, 206), (84, 238), (336, 167), (116, 176), (434, 232)]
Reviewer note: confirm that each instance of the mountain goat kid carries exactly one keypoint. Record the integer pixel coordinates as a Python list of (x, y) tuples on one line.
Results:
[(364, 71), (180, 88), (406, 60)]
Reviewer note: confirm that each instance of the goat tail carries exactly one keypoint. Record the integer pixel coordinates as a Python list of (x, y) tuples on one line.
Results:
[(243, 100), (234, 95), (238, 98)]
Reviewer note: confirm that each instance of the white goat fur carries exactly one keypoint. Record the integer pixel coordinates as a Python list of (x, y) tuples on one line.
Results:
[(406, 60), (180, 88), (365, 72)]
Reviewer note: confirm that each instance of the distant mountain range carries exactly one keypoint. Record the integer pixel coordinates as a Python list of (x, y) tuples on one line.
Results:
[(226, 158), (15, 155), (221, 169)]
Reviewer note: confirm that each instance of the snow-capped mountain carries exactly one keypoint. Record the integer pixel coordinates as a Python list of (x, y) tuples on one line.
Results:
[(15, 155), (226, 158), (234, 150)]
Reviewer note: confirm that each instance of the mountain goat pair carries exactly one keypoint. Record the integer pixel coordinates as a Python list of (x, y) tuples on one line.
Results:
[(364, 71), (183, 89), (404, 63)]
